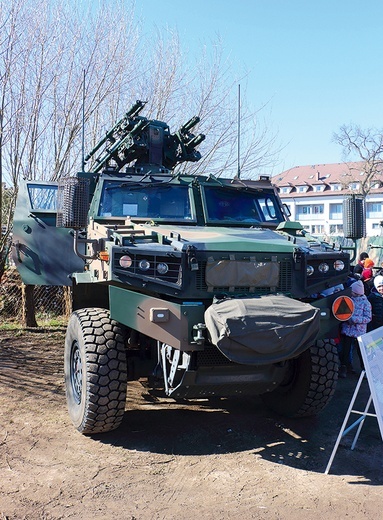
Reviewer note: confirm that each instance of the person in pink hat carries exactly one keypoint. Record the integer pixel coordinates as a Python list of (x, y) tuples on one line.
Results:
[(367, 276), (354, 327), (367, 269)]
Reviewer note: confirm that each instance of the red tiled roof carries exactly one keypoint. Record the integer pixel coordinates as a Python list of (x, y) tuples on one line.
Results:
[(321, 174), (318, 174)]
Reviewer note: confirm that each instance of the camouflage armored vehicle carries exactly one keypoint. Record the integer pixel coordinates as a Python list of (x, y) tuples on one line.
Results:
[(200, 285)]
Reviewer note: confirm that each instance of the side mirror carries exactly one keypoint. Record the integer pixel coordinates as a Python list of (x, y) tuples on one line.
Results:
[(287, 210)]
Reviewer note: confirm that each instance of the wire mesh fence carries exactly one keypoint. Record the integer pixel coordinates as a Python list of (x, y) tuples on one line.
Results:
[(50, 301)]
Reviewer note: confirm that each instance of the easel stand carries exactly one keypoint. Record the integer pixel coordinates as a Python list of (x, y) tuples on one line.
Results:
[(359, 422), (371, 348)]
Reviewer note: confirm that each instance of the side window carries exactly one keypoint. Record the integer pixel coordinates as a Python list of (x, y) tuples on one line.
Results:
[(43, 197), (268, 208)]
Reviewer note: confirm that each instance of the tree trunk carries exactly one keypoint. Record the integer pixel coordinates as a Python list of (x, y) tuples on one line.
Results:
[(67, 301), (28, 306)]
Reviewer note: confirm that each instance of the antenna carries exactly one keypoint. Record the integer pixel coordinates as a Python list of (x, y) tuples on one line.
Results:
[(239, 133), (83, 125)]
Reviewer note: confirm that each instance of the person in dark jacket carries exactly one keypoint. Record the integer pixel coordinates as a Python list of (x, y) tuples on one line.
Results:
[(376, 299), (358, 269)]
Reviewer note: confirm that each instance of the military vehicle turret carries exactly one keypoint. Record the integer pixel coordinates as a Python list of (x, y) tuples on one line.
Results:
[(201, 285)]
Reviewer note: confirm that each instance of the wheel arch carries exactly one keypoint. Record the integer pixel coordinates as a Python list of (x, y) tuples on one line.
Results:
[(88, 295)]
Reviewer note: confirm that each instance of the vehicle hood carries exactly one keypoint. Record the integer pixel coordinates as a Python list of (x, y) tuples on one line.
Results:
[(226, 239)]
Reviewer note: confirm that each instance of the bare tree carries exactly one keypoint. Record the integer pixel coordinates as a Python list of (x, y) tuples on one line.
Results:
[(366, 148), (55, 55), (44, 50), (67, 52), (10, 27), (178, 88)]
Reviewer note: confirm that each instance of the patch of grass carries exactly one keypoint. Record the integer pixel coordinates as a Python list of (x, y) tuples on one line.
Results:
[(43, 322), (10, 325), (57, 321)]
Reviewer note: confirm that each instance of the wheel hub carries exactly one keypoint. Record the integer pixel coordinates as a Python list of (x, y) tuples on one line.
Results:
[(76, 372)]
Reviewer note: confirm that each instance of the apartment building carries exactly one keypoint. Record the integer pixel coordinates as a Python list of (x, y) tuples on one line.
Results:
[(314, 195)]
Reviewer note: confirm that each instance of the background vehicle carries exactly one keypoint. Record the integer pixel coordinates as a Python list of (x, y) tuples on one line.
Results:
[(199, 284)]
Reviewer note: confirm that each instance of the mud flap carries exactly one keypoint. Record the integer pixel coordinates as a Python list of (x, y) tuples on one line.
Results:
[(262, 330)]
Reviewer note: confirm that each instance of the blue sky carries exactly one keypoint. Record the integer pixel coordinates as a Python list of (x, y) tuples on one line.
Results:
[(317, 64)]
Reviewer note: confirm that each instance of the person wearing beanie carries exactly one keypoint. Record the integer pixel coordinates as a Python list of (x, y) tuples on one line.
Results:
[(376, 300), (378, 281), (357, 288), (367, 276), (367, 269), (354, 327)]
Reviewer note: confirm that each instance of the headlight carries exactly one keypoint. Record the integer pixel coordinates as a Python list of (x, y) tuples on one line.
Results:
[(323, 268), (144, 265), (125, 261), (338, 265), (309, 270), (162, 268)]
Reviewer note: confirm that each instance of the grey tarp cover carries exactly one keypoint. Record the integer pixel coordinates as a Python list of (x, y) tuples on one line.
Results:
[(262, 330)]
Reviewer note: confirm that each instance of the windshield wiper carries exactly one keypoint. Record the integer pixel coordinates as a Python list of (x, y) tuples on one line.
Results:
[(139, 185)]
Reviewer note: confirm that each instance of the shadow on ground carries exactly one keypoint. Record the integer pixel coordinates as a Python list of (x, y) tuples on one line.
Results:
[(206, 427)]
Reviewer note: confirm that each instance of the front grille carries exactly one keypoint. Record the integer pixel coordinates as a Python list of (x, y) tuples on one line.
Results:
[(174, 274), (284, 283), (285, 277)]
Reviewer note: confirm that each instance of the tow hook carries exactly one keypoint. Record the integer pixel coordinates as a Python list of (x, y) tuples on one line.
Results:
[(198, 337)]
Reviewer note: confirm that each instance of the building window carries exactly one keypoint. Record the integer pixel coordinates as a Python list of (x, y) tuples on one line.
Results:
[(303, 210), (302, 189), (336, 187), (336, 229), (317, 229), (315, 209), (336, 211), (374, 209)]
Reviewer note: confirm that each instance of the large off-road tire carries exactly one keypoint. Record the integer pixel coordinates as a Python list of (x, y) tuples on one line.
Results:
[(309, 383), (95, 371)]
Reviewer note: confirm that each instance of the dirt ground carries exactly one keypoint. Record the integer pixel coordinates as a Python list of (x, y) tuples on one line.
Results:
[(224, 460)]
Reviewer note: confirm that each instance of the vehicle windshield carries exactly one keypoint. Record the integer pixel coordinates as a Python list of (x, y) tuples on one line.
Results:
[(240, 206), (171, 202)]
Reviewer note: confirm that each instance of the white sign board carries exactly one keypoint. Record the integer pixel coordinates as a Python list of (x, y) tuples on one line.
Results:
[(371, 347)]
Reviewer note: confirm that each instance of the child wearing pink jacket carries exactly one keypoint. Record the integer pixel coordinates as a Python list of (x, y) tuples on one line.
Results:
[(354, 327)]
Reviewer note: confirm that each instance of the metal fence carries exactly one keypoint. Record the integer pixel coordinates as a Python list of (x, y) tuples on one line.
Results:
[(50, 300)]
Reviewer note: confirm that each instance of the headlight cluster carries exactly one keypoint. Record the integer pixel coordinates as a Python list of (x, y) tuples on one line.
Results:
[(324, 267), (126, 261)]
